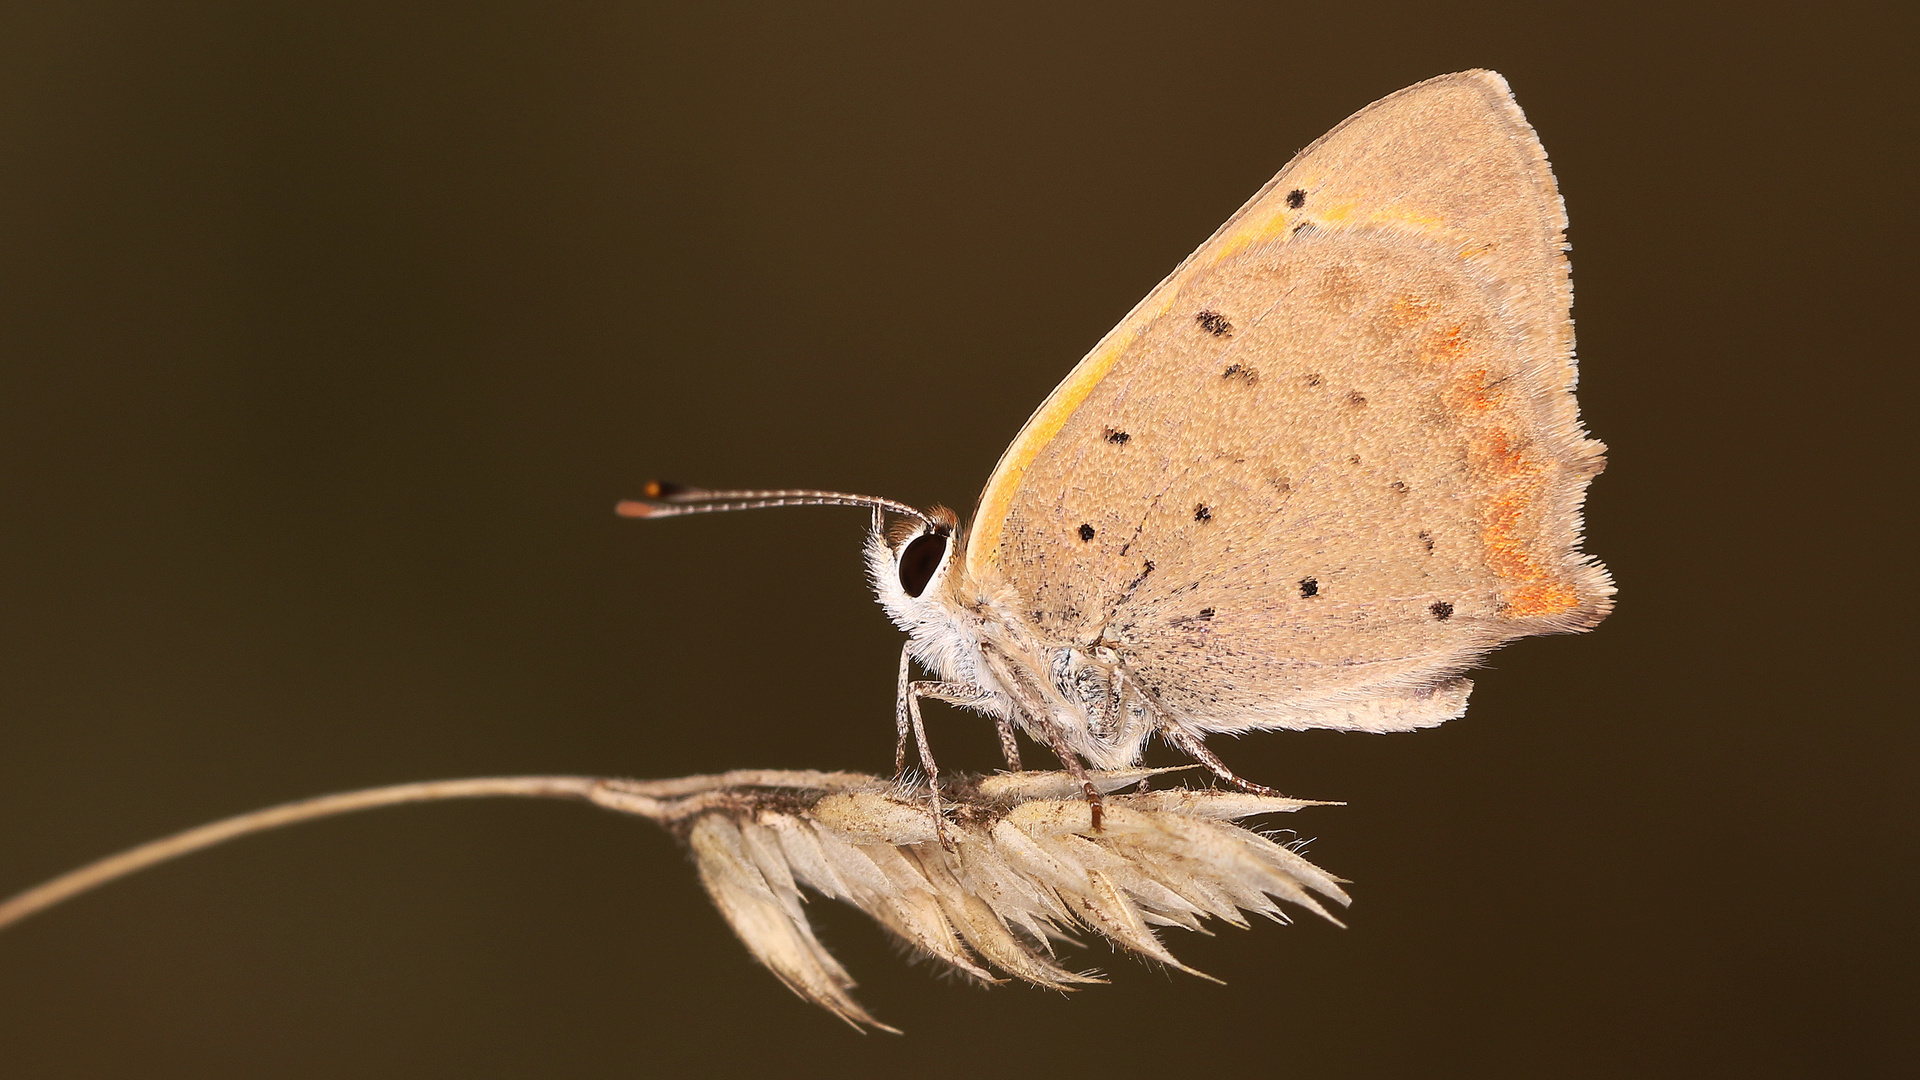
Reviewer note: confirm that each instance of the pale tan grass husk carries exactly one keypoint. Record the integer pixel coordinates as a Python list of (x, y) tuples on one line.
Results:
[(1021, 869)]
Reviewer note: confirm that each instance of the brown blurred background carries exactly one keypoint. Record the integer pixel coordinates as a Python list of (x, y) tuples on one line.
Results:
[(333, 331)]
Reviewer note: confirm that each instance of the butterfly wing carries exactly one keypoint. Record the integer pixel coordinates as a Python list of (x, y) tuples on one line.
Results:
[(1335, 457)]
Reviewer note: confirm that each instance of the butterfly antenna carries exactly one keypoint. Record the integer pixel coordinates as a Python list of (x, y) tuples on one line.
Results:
[(662, 499)]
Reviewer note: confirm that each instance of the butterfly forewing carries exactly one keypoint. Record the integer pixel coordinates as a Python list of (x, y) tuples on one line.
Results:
[(1335, 456)]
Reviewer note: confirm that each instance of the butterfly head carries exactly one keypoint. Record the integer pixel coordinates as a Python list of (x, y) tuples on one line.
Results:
[(911, 564)]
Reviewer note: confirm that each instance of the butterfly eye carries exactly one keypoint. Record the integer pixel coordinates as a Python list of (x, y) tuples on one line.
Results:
[(919, 561)]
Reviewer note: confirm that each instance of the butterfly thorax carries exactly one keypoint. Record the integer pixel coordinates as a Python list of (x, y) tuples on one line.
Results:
[(973, 633)]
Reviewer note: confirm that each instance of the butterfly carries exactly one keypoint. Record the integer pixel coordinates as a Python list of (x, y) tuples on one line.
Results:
[(1326, 465)]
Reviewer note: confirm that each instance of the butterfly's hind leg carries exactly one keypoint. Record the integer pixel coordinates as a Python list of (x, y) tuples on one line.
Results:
[(1194, 747), (1191, 744)]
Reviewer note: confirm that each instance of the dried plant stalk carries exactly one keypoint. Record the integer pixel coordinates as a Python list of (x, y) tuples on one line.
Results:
[(1022, 869)]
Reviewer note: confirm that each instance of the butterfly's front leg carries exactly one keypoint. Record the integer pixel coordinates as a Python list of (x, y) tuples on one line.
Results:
[(907, 718), (906, 715), (902, 720)]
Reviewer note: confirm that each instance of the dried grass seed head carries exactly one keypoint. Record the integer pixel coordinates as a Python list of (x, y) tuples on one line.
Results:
[(1025, 871)]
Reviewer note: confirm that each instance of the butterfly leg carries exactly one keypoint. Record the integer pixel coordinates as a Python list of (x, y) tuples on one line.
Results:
[(1191, 745), (933, 770), (1008, 746), (1071, 761), (906, 714), (902, 722), (957, 693)]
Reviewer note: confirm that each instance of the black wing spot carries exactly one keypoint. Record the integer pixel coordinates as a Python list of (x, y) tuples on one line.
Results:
[(1213, 323), (1296, 198), (1242, 372), (1205, 613), (1353, 459), (1356, 399), (1116, 436), (1441, 610), (1202, 512), (1313, 379), (1398, 487), (1427, 539), (1086, 531), (1305, 227), (1309, 587), (920, 561)]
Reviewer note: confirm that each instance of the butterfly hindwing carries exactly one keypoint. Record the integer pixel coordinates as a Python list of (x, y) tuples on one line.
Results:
[(1335, 457)]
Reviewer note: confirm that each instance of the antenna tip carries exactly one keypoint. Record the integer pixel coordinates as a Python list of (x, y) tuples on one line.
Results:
[(666, 489), (652, 494)]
